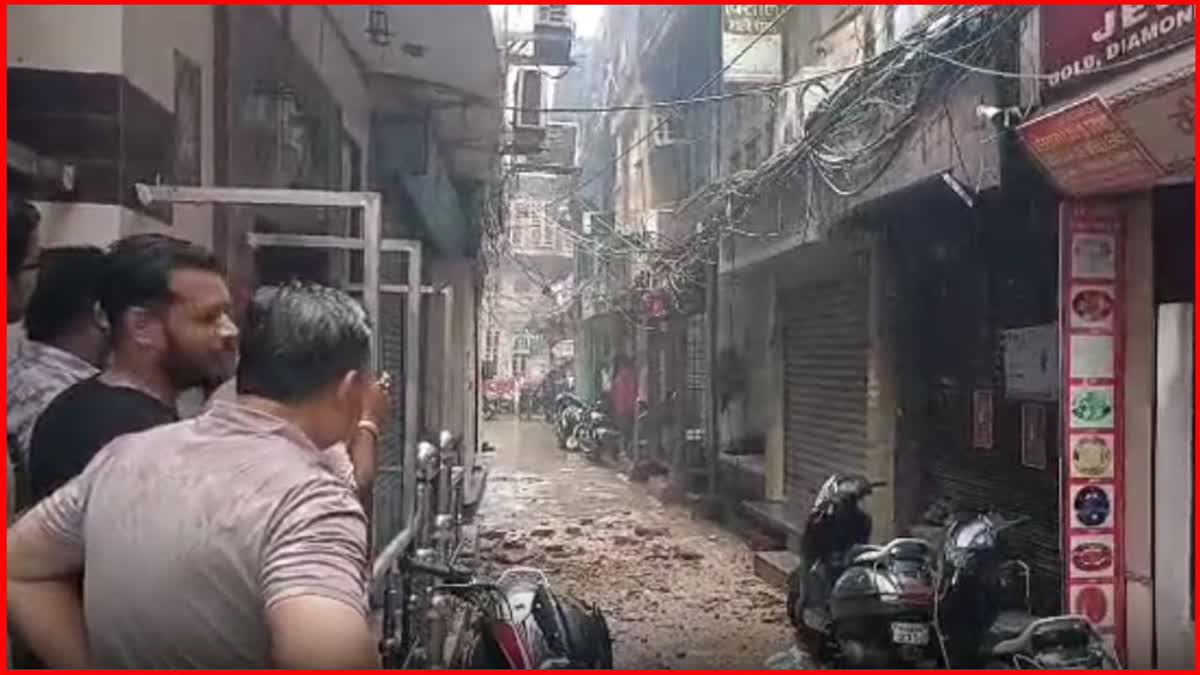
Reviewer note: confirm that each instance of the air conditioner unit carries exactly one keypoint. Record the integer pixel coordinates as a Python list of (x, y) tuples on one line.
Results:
[(553, 15), (588, 221), (529, 97)]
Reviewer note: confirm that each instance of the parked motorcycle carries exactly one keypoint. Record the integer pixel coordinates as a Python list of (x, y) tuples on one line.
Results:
[(437, 615), (859, 606), (984, 612)]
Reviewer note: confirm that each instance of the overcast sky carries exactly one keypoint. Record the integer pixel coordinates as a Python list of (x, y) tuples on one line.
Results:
[(520, 17)]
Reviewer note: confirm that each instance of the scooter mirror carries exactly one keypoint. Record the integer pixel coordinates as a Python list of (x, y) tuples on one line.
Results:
[(427, 455)]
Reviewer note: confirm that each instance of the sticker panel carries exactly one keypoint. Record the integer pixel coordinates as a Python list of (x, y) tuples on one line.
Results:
[(1092, 556), (1092, 407), (1091, 455), (1092, 506)]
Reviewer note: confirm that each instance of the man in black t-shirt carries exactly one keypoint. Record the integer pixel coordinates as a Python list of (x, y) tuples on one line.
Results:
[(169, 308)]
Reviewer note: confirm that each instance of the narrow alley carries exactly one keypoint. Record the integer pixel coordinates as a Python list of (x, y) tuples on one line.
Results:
[(679, 592)]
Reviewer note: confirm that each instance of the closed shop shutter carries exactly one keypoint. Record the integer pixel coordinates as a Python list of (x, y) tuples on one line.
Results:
[(825, 385)]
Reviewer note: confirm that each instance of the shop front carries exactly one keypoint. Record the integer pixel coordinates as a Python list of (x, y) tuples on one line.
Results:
[(1115, 134)]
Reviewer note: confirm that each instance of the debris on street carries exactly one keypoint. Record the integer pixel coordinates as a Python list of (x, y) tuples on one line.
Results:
[(679, 592)]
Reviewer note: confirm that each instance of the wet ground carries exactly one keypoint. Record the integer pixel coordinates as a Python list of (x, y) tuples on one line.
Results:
[(679, 592)]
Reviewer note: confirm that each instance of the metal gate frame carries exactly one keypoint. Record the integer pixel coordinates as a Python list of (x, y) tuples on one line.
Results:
[(373, 246)]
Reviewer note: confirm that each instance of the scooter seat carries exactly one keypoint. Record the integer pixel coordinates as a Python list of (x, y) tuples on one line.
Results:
[(861, 554), (1009, 625), (1034, 626)]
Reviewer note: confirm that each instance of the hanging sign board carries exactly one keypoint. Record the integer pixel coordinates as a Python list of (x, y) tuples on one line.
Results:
[(1163, 117), (1082, 45), (759, 58), (1093, 410), (1086, 150)]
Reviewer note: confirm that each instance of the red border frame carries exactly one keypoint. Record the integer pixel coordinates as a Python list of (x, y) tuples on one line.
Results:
[(1196, 496), (1099, 217)]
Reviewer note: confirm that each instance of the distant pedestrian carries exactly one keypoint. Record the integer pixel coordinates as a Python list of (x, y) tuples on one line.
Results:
[(623, 397)]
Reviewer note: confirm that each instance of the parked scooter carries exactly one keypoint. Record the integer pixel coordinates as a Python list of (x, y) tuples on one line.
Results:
[(596, 435), (858, 606), (569, 412), (984, 611)]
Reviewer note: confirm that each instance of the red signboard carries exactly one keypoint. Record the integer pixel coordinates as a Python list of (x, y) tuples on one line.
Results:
[(1092, 307), (1082, 44), (1087, 151)]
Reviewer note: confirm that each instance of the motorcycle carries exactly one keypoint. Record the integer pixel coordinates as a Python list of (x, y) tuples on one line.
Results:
[(437, 615), (984, 615), (859, 606)]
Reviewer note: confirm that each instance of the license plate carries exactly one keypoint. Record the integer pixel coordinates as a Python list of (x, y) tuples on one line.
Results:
[(910, 633)]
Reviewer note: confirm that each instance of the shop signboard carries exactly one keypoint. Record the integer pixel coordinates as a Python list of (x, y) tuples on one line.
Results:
[(1082, 45), (1086, 150), (1163, 116), (750, 56), (1093, 410)]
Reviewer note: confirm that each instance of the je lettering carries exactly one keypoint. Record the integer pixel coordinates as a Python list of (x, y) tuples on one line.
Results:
[(1130, 16)]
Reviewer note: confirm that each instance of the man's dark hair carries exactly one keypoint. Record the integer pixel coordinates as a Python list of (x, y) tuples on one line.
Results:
[(300, 338), (23, 219), (138, 272), (67, 291)]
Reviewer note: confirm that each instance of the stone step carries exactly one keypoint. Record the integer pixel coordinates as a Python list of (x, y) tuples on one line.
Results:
[(774, 567)]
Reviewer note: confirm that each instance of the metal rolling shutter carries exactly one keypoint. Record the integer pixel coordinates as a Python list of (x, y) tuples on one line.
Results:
[(825, 384)]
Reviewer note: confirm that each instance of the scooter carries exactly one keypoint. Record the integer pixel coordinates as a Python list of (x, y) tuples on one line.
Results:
[(858, 606), (569, 412), (984, 613), (596, 435)]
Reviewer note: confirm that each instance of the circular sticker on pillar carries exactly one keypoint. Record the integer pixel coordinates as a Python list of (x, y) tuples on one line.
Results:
[(1092, 407), (1093, 506), (1092, 456), (1092, 555), (1093, 603), (1092, 307)]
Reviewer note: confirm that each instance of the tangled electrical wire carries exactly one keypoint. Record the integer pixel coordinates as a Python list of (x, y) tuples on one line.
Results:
[(845, 146), (855, 133)]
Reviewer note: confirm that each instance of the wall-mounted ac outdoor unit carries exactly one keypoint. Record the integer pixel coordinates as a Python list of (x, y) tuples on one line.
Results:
[(553, 34), (553, 15), (528, 97)]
